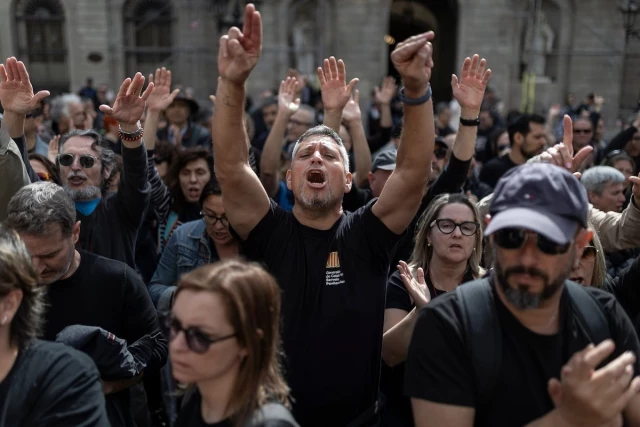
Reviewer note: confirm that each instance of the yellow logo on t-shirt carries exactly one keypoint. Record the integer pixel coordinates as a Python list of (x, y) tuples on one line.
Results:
[(333, 261)]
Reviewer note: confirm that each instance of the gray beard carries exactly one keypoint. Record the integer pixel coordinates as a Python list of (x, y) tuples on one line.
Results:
[(89, 193)]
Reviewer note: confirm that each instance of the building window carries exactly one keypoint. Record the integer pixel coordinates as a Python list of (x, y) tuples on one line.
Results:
[(148, 33), (40, 31)]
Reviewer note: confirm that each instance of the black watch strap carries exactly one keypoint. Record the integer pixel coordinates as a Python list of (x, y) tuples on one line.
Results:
[(470, 122)]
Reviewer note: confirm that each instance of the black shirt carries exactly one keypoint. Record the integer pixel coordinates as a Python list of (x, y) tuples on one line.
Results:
[(393, 377), (493, 170), (439, 368), (191, 416), (333, 284), (108, 294), (50, 385)]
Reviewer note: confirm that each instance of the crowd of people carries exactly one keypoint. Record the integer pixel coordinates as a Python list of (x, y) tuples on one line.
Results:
[(304, 261)]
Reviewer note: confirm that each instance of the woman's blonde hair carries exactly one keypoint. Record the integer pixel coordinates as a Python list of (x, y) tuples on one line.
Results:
[(251, 298), (422, 252), (600, 266)]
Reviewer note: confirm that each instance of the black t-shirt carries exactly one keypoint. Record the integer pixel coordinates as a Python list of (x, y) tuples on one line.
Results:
[(191, 416), (493, 170), (51, 385), (108, 294), (356, 198), (440, 370), (333, 284), (392, 383)]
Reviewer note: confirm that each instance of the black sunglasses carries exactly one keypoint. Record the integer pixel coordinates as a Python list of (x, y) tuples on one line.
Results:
[(158, 160), (86, 160), (515, 238), (440, 153), (447, 226), (197, 341), (589, 252), (585, 131)]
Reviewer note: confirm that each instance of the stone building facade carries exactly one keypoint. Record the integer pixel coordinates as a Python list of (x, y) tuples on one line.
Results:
[(577, 45)]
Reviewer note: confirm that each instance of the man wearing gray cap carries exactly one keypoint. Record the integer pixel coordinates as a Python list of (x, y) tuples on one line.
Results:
[(525, 346)]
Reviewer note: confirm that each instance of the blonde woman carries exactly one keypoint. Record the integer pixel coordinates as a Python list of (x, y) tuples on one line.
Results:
[(447, 253), (224, 339)]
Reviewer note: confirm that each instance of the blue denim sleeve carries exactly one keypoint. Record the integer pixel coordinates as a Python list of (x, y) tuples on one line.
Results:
[(166, 274)]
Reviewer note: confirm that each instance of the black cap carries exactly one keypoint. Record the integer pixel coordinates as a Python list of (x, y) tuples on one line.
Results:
[(540, 197), (385, 160), (193, 105)]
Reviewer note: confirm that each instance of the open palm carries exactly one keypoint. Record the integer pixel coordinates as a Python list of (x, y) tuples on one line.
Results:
[(161, 97), (129, 105), (333, 84), (474, 78), (16, 92)]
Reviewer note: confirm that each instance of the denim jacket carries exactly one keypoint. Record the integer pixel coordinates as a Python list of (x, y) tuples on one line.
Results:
[(188, 248)]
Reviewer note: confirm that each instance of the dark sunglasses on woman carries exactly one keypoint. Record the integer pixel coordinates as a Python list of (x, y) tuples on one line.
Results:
[(197, 341), (515, 238), (86, 160)]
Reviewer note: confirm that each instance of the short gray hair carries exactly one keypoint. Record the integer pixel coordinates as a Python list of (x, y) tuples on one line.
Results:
[(34, 208), (60, 105), (597, 178), (322, 130), (17, 272), (99, 144)]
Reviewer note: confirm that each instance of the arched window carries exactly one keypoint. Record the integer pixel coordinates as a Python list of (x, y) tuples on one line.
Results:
[(40, 31), (148, 33)]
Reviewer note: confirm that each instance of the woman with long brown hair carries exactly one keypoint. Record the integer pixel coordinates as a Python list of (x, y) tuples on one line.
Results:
[(224, 339)]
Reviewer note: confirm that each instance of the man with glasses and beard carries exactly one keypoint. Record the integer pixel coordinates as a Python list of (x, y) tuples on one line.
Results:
[(527, 138), (549, 369), (109, 223)]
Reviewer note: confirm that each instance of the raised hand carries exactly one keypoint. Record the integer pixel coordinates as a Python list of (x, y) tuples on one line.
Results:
[(412, 59), (161, 97), (288, 102), (469, 89), (333, 85), (52, 153), (239, 51), (351, 112), (129, 104), (16, 92), (385, 94), (417, 287)]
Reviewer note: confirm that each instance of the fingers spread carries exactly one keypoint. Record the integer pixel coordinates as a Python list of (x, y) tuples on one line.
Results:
[(106, 109), (3, 74), (147, 92), (321, 76)]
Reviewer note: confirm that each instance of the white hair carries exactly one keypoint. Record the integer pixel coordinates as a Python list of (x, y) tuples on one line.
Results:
[(60, 105), (596, 178)]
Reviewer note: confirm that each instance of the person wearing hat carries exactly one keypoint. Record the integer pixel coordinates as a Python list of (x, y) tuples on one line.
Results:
[(555, 353), (383, 165), (179, 116)]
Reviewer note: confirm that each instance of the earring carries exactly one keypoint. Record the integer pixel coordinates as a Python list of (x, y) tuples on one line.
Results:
[(4, 320), (428, 244)]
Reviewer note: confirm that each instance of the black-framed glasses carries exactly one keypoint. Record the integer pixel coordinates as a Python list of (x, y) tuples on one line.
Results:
[(515, 238), (440, 153), (197, 341), (585, 131), (87, 161), (448, 226), (158, 160), (213, 220), (589, 252)]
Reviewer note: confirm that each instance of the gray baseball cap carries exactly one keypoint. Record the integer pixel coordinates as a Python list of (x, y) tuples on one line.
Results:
[(540, 197), (385, 160)]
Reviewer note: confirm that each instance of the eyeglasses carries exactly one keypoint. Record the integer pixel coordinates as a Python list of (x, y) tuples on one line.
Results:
[(590, 252), (447, 226), (440, 153), (515, 238), (44, 176), (213, 220), (585, 131), (197, 341), (86, 160), (158, 160)]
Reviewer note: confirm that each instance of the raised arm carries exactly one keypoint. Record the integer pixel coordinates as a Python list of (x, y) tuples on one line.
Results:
[(245, 200), (352, 118), (288, 104), (402, 193), (335, 91), (133, 196)]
